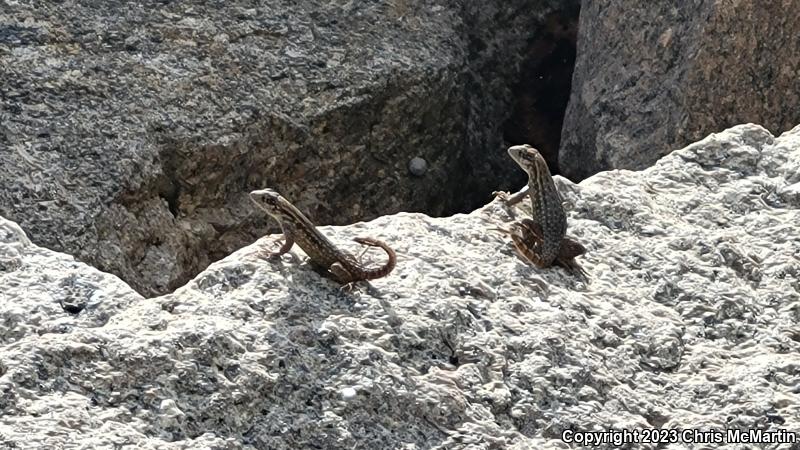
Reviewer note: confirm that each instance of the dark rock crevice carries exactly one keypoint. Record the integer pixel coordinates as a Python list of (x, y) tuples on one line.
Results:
[(543, 90), (520, 56)]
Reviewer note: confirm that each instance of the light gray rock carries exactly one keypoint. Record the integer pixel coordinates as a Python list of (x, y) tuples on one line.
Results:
[(689, 320), (417, 166), (654, 76)]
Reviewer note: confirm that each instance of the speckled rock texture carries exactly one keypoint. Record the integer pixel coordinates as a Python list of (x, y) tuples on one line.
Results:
[(654, 76), (689, 319), (130, 133), (511, 47)]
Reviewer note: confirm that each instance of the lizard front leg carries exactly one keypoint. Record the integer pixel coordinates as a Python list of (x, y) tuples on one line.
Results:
[(288, 242), (510, 200)]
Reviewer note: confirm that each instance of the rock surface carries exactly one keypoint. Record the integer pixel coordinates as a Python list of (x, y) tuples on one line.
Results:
[(653, 76), (689, 320), (521, 55), (130, 140)]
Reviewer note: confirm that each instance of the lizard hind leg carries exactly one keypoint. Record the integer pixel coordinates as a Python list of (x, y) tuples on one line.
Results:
[(530, 237), (529, 226), (363, 252), (349, 282), (527, 239), (571, 248), (501, 230), (340, 274), (529, 250)]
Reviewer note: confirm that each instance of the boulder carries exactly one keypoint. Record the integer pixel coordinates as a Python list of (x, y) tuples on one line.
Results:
[(652, 76), (688, 320), (130, 140)]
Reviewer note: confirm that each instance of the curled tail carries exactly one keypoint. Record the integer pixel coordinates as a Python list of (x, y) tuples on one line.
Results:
[(371, 274)]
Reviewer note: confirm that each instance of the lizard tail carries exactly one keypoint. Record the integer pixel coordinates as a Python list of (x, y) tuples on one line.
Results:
[(371, 274)]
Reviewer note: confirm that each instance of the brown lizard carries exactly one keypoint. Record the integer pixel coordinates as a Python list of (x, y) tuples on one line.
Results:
[(541, 239), (324, 256), (527, 241)]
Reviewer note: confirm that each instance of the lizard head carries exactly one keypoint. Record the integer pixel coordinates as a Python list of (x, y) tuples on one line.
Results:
[(529, 159), (270, 201)]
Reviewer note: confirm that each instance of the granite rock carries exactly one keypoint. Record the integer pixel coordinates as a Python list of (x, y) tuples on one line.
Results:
[(130, 133), (689, 319), (654, 76)]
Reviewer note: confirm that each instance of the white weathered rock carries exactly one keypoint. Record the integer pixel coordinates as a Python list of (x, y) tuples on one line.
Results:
[(689, 320)]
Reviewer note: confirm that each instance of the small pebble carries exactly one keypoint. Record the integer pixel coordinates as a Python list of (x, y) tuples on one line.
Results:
[(348, 393), (417, 166)]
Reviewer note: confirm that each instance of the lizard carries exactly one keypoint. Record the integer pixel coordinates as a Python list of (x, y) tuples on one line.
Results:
[(324, 256), (527, 240), (541, 239)]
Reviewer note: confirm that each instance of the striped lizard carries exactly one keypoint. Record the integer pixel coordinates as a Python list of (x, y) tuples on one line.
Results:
[(541, 239), (324, 256)]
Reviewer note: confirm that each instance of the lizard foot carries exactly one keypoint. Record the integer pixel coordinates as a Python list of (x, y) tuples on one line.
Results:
[(266, 255), (348, 288), (501, 195), (507, 201)]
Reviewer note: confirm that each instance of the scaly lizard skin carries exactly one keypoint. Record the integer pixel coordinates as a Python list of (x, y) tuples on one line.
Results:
[(527, 241), (542, 238), (340, 265)]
